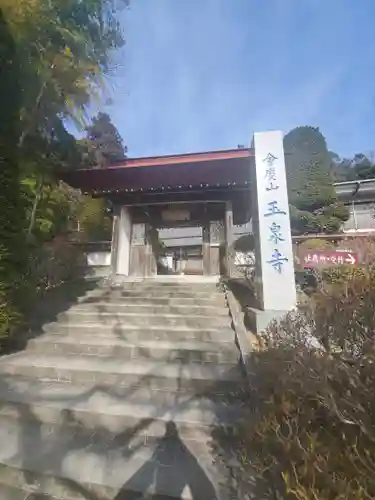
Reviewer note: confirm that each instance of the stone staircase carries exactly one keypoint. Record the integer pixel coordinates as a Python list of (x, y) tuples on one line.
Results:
[(116, 400)]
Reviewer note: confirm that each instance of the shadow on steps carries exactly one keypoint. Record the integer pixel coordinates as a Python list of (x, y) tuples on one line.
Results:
[(67, 458), (48, 458), (172, 463)]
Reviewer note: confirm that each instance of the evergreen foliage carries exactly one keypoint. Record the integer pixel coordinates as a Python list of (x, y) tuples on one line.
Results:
[(12, 256), (104, 145), (314, 205), (54, 56), (360, 167)]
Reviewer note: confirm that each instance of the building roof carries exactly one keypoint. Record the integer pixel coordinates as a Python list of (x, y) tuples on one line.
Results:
[(361, 189), (207, 169), (147, 161)]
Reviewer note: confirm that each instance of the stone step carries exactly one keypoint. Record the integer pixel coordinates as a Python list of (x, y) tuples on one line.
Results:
[(153, 293), (184, 351), (10, 492), (153, 300), (41, 391), (176, 377), (151, 284), (147, 308), (137, 319), (141, 414), (138, 334), (60, 462)]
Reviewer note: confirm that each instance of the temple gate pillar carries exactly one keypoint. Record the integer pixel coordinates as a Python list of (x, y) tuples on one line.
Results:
[(140, 251), (274, 263), (122, 235), (115, 238), (206, 246), (229, 239), (217, 241)]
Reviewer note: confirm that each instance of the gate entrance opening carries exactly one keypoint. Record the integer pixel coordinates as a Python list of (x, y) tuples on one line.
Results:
[(180, 249)]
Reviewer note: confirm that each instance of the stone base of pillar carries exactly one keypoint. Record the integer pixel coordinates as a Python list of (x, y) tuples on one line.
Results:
[(260, 320)]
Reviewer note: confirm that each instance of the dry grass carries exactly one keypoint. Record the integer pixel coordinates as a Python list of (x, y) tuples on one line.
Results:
[(313, 383)]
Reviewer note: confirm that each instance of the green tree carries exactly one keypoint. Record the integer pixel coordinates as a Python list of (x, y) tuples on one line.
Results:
[(361, 166), (95, 223), (65, 51), (54, 55), (12, 257), (341, 168), (43, 161), (104, 144), (314, 205)]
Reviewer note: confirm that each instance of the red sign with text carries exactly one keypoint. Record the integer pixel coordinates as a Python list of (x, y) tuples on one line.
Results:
[(315, 258)]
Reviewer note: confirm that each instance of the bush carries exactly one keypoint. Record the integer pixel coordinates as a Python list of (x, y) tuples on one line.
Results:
[(308, 280), (10, 319), (313, 381), (48, 267), (342, 274), (316, 244), (54, 264), (363, 246)]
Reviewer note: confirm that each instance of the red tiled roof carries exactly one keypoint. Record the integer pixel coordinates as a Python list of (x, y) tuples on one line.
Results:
[(217, 168), (226, 154)]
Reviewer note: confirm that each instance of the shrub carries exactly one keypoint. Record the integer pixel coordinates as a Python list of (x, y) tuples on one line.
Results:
[(342, 274), (48, 267), (54, 264), (11, 208), (308, 280), (363, 246), (314, 435), (10, 319), (316, 244)]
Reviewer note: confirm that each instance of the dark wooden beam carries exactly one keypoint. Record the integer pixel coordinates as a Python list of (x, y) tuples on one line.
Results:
[(166, 197)]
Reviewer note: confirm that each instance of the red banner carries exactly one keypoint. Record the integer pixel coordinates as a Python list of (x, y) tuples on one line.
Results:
[(318, 258)]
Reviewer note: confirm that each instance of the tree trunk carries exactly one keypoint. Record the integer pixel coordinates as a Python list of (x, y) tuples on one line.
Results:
[(30, 123), (38, 194), (26, 130)]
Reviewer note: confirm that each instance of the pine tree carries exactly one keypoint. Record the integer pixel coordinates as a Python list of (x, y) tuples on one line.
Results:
[(314, 205), (104, 145)]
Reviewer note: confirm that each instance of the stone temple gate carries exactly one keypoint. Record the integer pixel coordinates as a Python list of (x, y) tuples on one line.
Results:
[(175, 215)]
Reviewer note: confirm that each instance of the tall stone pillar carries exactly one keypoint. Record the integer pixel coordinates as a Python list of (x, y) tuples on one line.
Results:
[(124, 228), (274, 271)]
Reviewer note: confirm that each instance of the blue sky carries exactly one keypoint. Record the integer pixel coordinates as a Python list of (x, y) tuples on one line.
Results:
[(205, 74)]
